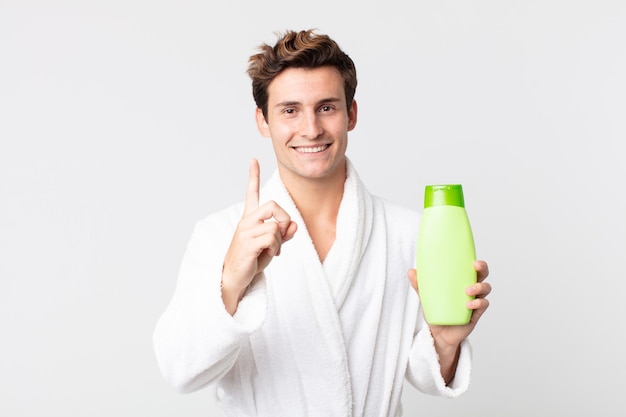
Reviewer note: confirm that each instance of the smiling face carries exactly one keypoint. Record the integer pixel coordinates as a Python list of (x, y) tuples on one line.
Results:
[(308, 121)]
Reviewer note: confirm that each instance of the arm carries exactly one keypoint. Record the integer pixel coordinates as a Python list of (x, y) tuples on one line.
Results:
[(424, 370), (449, 341), (198, 338)]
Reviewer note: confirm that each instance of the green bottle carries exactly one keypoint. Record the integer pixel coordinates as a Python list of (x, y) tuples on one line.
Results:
[(445, 256)]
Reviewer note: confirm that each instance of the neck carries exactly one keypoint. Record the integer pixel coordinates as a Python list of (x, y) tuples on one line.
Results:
[(316, 195), (318, 201)]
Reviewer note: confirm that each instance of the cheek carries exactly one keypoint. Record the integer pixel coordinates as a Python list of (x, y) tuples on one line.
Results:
[(280, 134), (285, 130), (341, 133)]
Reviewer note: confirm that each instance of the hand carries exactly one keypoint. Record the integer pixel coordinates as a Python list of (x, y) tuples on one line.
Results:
[(448, 338), (255, 242)]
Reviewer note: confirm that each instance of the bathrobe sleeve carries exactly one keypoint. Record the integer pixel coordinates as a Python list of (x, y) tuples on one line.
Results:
[(195, 340), (423, 370)]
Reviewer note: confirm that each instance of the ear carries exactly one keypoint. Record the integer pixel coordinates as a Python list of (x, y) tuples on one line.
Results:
[(261, 123), (352, 113)]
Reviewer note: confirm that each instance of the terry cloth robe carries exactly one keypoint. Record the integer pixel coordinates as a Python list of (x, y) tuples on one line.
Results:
[(308, 339)]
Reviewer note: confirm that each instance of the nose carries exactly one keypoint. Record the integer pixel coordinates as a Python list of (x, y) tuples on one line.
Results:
[(310, 126)]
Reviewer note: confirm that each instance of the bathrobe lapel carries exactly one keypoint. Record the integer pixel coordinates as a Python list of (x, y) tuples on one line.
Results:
[(354, 225), (305, 309)]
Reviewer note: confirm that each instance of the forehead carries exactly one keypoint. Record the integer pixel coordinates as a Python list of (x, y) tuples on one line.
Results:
[(306, 84)]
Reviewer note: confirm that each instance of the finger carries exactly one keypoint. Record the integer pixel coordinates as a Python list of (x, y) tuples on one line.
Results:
[(478, 308), (252, 192), (271, 210), (482, 270), (291, 231), (479, 290), (268, 238)]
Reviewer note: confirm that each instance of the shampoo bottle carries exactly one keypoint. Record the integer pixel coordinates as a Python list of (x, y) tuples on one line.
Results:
[(445, 256)]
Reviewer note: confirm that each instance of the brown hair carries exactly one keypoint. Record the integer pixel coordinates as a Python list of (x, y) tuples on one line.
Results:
[(304, 49)]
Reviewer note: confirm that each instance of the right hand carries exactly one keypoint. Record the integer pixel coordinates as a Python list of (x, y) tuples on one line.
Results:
[(255, 243)]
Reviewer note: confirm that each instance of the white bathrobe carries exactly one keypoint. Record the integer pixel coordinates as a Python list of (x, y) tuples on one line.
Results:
[(308, 339)]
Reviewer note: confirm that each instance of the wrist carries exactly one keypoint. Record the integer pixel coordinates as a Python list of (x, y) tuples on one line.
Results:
[(231, 295), (448, 356), (445, 349)]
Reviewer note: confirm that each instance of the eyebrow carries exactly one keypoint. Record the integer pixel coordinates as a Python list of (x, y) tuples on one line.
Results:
[(320, 102)]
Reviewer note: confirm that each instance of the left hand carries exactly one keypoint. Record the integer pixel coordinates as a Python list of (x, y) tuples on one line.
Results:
[(450, 337)]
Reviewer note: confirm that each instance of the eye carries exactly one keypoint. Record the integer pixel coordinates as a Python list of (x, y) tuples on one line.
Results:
[(326, 108), (289, 112)]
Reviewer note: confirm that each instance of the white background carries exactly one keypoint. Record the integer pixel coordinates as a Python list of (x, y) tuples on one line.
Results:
[(123, 122)]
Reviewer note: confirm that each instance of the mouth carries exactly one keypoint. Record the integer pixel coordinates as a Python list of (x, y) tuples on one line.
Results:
[(311, 149)]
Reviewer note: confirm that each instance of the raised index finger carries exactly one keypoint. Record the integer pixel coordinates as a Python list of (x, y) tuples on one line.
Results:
[(252, 192)]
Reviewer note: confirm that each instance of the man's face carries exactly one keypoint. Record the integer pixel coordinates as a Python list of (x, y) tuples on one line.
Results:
[(308, 121)]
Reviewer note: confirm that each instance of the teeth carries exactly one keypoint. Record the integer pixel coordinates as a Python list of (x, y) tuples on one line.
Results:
[(312, 149)]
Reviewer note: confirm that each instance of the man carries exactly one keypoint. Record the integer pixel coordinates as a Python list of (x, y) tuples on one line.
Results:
[(296, 302)]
